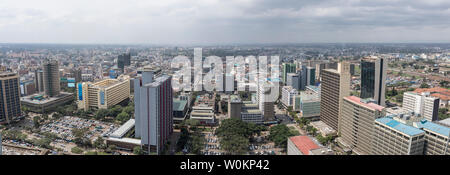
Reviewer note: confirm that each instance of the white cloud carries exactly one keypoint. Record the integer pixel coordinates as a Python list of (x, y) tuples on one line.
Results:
[(232, 21)]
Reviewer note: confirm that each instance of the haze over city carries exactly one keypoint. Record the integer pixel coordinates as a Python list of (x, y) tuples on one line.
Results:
[(223, 22)]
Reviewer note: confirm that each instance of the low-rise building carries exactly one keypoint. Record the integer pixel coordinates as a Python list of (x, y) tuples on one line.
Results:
[(304, 145)]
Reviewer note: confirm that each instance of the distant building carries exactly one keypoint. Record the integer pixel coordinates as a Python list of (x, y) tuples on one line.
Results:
[(334, 87), (39, 80), (51, 78), (103, 94), (288, 68), (293, 80), (123, 60), (9, 97), (373, 79)]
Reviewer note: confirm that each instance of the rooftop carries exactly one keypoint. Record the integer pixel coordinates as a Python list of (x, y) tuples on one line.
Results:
[(445, 131), (369, 105), (304, 144), (41, 99), (396, 125), (122, 130), (179, 105)]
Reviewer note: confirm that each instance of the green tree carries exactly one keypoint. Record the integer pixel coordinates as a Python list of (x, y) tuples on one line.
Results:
[(123, 117), (279, 135), (424, 85), (138, 150), (100, 143)]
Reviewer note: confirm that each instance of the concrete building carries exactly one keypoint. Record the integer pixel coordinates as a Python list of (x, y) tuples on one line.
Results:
[(145, 76), (156, 113), (244, 110), (234, 106), (103, 94), (9, 97), (51, 78), (309, 105), (437, 138), (373, 79), (287, 95), (358, 116), (204, 109), (423, 104), (39, 103), (266, 106), (39, 80), (179, 110), (391, 137), (334, 87), (308, 77), (293, 80)]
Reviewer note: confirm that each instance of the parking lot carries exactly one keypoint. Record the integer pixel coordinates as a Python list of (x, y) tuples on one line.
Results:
[(63, 127)]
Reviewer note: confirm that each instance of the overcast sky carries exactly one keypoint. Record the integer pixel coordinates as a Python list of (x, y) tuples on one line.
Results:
[(223, 22)]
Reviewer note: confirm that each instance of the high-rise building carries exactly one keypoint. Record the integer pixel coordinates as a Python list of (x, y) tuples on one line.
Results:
[(423, 104), (123, 60), (103, 94), (358, 117), (76, 73), (265, 104), (373, 79), (39, 80), (335, 86), (155, 105), (391, 137), (293, 80), (234, 106), (9, 97), (51, 78), (145, 78), (288, 68)]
